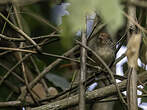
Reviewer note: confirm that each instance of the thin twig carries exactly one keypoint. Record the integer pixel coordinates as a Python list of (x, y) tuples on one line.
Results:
[(48, 68), (31, 46), (11, 86), (38, 72), (8, 73), (17, 50), (134, 22), (13, 73), (9, 96), (24, 40), (47, 54), (21, 32), (25, 74), (5, 52), (3, 29), (40, 19)]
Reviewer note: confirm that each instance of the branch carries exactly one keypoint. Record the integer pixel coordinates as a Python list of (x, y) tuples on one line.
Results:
[(132, 53), (132, 59), (82, 78), (13, 73), (24, 40), (132, 21), (10, 71), (10, 104), (96, 94), (21, 32), (11, 86), (47, 69)]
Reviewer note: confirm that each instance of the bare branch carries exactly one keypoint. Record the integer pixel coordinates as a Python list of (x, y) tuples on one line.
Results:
[(83, 74), (21, 32)]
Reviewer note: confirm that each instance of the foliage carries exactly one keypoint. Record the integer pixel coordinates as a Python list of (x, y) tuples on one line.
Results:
[(109, 10)]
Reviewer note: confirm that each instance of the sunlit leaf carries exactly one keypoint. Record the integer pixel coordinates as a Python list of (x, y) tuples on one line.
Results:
[(76, 20), (67, 34), (109, 10)]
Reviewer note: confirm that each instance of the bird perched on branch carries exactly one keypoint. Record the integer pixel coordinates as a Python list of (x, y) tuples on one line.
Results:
[(104, 47)]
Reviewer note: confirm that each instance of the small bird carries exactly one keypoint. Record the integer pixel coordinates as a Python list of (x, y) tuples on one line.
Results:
[(104, 47)]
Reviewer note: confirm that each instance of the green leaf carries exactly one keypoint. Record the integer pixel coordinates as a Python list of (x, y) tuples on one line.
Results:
[(109, 10), (67, 34), (75, 21), (78, 10)]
